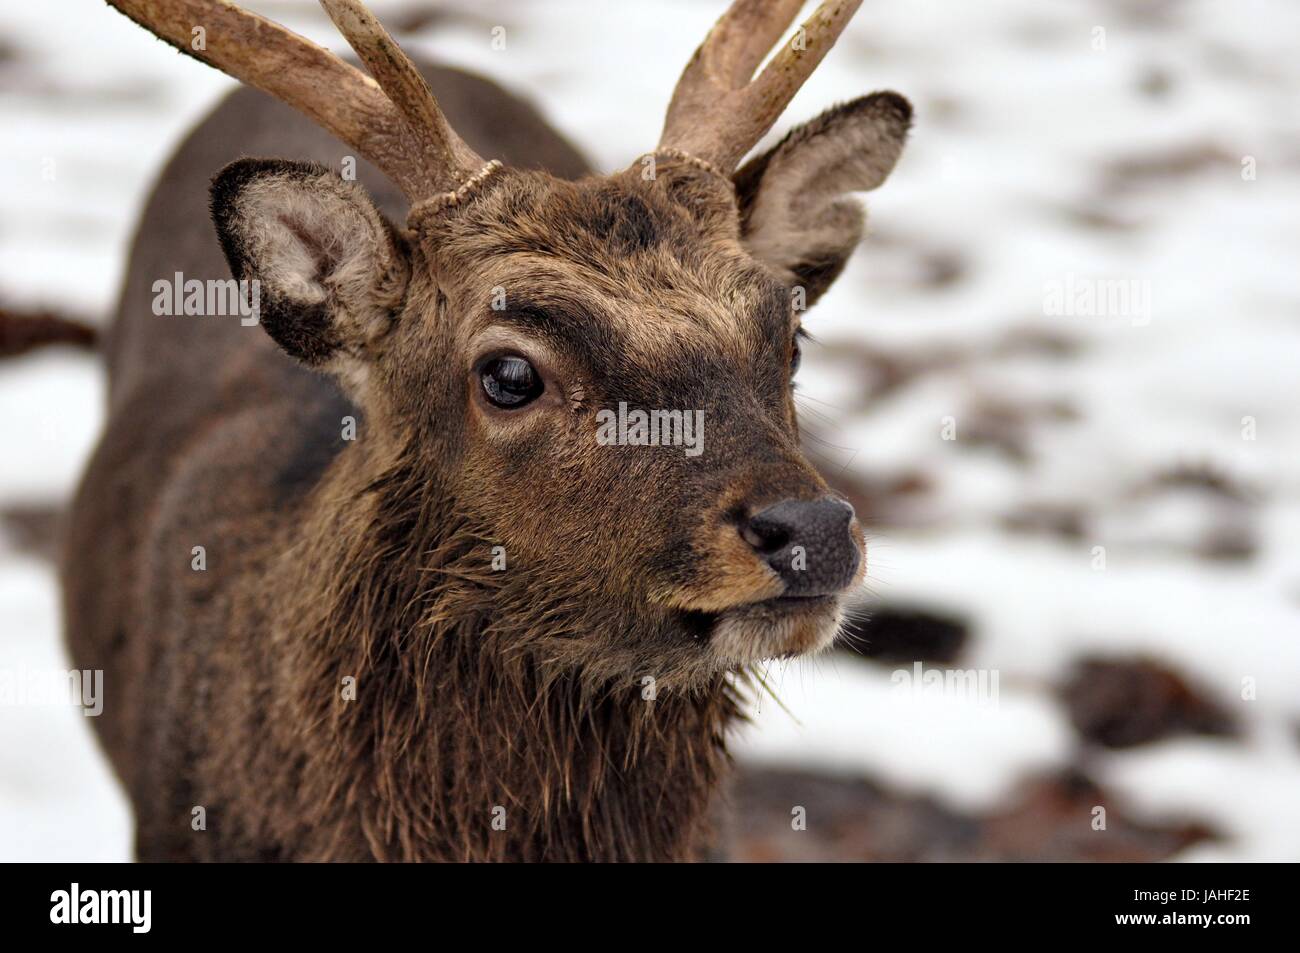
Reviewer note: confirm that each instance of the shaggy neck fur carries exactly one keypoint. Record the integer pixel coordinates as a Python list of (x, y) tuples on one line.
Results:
[(467, 739)]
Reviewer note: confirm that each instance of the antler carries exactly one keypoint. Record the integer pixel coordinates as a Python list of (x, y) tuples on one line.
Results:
[(395, 122), (718, 111)]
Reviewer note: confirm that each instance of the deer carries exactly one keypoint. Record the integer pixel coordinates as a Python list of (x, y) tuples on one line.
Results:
[(362, 582)]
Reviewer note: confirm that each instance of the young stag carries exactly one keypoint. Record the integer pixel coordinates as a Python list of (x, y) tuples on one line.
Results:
[(469, 629)]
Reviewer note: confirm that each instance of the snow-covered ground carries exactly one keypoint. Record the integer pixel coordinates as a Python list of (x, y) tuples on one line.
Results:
[(1151, 146)]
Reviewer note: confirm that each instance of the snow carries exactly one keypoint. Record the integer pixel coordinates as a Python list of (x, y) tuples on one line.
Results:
[(1026, 169), (965, 746), (58, 799)]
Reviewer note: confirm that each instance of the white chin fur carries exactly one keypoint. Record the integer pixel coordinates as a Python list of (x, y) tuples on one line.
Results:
[(744, 636)]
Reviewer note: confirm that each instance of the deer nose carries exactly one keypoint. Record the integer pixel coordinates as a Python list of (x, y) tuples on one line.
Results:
[(808, 543)]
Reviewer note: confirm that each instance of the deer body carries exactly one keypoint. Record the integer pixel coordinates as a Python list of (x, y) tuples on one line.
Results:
[(215, 440), (287, 566)]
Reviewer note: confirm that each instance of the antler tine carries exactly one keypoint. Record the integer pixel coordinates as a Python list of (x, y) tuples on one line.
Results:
[(742, 37), (792, 66), (407, 90), (717, 113), (335, 95)]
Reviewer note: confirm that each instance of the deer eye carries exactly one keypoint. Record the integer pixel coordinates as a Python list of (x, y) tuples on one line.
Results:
[(510, 381)]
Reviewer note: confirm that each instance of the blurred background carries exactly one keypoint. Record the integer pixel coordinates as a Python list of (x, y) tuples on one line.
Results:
[(1060, 380)]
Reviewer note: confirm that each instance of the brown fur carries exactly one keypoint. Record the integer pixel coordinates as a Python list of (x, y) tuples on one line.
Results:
[(585, 689)]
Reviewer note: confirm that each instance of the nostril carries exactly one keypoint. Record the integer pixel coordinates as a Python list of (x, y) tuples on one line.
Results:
[(765, 536)]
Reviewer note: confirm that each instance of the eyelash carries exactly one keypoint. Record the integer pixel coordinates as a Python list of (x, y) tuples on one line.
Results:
[(800, 336)]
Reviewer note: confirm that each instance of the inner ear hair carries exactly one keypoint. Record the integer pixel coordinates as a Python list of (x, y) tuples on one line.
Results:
[(796, 213), (332, 271)]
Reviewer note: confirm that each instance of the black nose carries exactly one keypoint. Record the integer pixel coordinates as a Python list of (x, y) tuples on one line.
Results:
[(807, 543)]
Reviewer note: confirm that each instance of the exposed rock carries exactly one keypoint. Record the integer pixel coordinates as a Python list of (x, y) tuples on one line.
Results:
[(22, 332), (1051, 818), (1120, 703), (884, 500), (894, 635), (1189, 509), (1057, 818), (31, 529), (847, 820), (1156, 82), (1007, 425), (1203, 476), (1167, 167), (884, 371), (1063, 522)]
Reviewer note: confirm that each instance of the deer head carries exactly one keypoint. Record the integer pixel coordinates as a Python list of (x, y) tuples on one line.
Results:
[(516, 314)]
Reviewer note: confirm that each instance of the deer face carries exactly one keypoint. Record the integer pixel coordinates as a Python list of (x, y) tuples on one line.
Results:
[(604, 368), (592, 376)]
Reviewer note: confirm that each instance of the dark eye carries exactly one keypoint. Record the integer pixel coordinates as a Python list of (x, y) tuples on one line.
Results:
[(510, 382), (796, 353)]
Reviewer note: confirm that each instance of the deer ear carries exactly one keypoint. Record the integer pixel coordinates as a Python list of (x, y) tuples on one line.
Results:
[(331, 271), (796, 214)]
